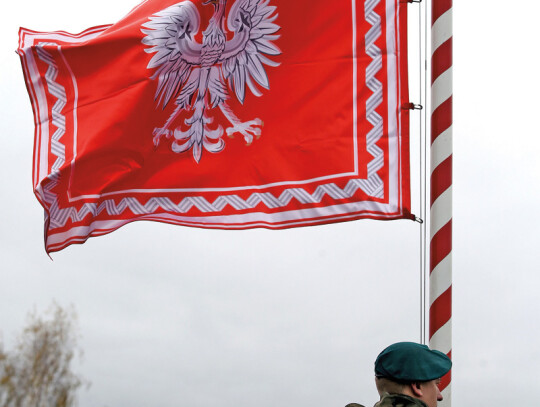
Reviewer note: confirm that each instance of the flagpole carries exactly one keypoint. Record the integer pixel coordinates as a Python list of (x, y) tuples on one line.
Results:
[(440, 282)]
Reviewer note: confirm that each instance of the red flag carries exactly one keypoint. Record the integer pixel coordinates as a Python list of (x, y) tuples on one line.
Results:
[(228, 114)]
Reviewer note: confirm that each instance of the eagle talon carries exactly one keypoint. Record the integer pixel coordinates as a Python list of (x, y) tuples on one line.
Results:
[(160, 132), (247, 129)]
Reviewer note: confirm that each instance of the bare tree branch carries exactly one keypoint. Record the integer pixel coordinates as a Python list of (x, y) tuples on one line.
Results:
[(38, 371)]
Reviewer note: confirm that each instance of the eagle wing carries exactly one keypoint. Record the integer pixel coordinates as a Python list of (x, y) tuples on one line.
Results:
[(169, 34), (252, 22)]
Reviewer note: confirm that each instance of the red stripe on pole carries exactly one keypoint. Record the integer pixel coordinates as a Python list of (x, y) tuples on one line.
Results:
[(446, 379), (441, 60), (441, 245), (441, 119), (440, 311), (441, 179), (439, 7)]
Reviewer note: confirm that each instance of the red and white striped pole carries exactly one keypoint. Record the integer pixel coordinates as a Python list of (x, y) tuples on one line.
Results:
[(440, 281)]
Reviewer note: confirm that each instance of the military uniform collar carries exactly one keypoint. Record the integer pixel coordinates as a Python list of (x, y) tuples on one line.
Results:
[(399, 400)]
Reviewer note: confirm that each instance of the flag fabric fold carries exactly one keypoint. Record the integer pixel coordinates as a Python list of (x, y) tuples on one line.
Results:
[(228, 114)]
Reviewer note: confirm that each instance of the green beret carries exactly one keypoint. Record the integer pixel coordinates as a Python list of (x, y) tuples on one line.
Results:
[(411, 362)]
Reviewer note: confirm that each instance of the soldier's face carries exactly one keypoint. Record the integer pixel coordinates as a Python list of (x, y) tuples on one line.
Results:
[(431, 393)]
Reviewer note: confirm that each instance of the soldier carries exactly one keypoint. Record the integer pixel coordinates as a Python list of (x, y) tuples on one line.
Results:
[(408, 374)]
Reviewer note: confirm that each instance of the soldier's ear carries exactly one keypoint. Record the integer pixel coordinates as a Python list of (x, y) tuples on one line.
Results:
[(416, 389)]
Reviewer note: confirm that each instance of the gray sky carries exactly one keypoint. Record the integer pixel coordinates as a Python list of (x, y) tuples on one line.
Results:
[(173, 316)]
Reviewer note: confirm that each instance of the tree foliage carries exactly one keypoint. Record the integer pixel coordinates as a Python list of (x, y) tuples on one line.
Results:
[(38, 371)]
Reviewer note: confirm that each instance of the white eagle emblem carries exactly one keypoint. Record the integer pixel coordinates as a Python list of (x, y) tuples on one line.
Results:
[(196, 74)]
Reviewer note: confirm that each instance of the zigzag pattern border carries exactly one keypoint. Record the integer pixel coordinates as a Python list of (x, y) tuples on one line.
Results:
[(186, 204), (372, 186), (59, 92), (59, 121)]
